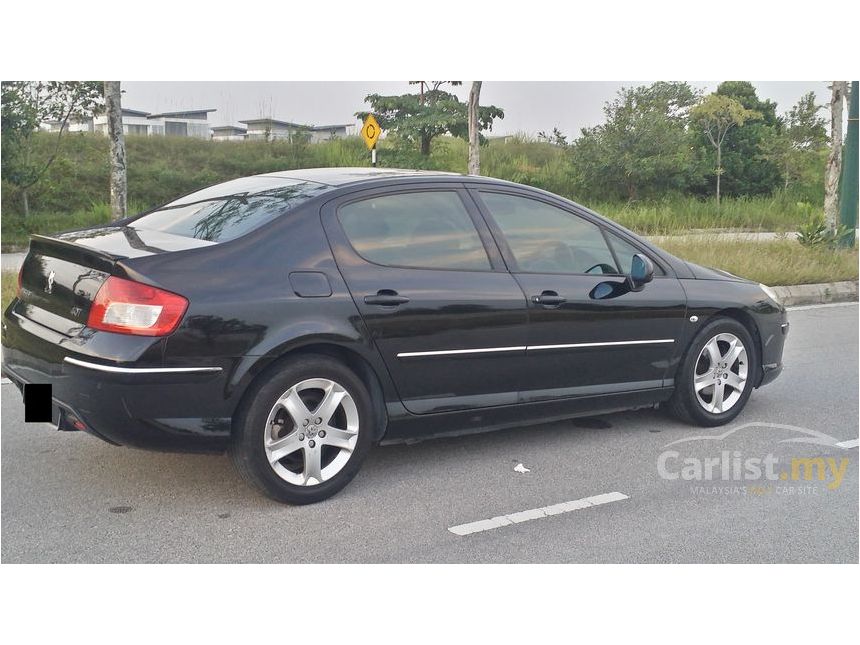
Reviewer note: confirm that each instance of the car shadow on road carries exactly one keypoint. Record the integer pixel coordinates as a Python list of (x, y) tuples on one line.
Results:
[(129, 473)]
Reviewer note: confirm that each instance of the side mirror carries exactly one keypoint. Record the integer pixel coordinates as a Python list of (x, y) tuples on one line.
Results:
[(641, 272)]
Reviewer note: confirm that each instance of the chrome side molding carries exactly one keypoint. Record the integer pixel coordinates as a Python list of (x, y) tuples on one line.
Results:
[(140, 370), (529, 348)]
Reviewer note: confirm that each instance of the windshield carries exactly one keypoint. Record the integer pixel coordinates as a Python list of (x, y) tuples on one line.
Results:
[(211, 215)]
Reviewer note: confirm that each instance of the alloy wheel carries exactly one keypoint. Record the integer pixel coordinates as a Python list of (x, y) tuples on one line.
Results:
[(720, 376), (311, 432)]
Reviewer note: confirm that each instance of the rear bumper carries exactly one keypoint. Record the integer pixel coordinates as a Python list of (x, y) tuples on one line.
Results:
[(177, 408)]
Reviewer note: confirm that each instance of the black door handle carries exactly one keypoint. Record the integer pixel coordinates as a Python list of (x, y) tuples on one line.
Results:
[(549, 299), (386, 298)]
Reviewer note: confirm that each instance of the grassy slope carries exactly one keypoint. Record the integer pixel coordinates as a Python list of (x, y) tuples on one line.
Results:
[(161, 168), (9, 286), (779, 262)]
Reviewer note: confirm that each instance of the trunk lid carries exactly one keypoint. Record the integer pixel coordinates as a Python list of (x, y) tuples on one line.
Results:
[(62, 274)]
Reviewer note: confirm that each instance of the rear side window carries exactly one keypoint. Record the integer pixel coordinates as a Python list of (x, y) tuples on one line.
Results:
[(429, 230), (217, 217), (546, 239)]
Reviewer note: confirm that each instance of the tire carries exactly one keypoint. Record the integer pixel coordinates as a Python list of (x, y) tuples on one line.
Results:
[(698, 369), (278, 445)]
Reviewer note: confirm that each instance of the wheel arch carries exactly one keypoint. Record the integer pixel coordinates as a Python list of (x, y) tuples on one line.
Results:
[(746, 319), (266, 365)]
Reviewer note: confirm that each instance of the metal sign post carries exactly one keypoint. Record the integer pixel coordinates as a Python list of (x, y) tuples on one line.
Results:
[(370, 132)]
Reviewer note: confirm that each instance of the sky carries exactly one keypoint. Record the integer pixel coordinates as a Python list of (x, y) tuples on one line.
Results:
[(529, 106)]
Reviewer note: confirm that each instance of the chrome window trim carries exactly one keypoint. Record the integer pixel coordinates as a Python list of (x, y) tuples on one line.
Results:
[(528, 348), (140, 370)]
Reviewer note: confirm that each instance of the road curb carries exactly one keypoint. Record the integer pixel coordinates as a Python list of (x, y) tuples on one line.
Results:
[(817, 294)]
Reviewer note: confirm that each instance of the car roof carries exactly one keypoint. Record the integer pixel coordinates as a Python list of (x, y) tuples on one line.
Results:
[(344, 176)]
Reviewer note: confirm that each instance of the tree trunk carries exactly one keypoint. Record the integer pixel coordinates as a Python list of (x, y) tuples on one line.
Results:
[(834, 160), (25, 202), (474, 139), (425, 145), (719, 173), (118, 177)]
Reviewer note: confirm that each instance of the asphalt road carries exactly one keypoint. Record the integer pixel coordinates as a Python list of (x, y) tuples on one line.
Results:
[(67, 497)]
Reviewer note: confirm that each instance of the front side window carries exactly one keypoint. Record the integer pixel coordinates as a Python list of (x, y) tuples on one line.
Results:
[(430, 230), (546, 239), (625, 251)]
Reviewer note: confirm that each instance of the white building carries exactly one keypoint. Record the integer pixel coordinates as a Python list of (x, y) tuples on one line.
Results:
[(189, 123), (329, 132), (229, 133), (273, 130)]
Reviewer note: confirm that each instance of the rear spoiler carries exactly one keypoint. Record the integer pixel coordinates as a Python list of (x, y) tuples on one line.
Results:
[(73, 252)]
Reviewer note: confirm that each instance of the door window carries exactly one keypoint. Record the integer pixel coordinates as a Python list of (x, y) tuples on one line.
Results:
[(625, 251), (546, 239), (430, 230)]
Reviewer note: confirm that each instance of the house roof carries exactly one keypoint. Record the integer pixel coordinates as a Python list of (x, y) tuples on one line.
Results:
[(332, 127), (287, 124), (184, 114), (127, 112), (229, 128)]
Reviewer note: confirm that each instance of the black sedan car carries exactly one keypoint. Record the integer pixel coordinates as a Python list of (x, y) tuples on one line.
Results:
[(297, 318)]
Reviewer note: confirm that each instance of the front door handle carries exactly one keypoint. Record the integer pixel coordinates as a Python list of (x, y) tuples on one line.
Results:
[(386, 298), (549, 299)]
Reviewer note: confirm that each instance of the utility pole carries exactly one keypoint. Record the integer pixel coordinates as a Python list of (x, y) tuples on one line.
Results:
[(848, 185), (118, 177), (474, 135), (834, 160)]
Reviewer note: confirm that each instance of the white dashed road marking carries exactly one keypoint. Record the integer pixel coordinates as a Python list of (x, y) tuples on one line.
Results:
[(851, 443), (536, 513)]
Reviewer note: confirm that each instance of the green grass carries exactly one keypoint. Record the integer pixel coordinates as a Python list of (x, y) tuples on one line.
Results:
[(74, 191), (679, 214), (16, 230), (775, 263), (9, 287)]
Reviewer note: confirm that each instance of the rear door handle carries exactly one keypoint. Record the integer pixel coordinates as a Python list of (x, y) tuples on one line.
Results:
[(549, 299), (386, 298)]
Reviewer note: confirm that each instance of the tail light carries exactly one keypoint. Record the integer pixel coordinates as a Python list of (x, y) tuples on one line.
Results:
[(20, 274), (128, 307)]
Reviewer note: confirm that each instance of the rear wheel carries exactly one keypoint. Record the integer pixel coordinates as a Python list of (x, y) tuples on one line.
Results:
[(304, 431), (715, 379)]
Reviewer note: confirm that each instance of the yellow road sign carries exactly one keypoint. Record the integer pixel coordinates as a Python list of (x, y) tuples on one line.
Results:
[(370, 131)]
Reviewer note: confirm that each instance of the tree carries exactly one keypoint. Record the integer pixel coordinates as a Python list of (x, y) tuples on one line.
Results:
[(716, 115), (556, 137), (834, 160), (642, 147), (118, 176), (745, 172), (808, 130), (26, 105), (419, 118), (796, 145), (474, 131)]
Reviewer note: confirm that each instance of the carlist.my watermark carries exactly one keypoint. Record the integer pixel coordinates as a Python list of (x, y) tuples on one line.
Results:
[(733, 472)]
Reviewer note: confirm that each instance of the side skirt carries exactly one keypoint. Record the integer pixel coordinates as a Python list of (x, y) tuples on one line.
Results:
[(405, 426)]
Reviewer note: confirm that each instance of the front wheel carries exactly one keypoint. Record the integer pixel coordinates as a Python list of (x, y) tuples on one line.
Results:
[(304, 431), (716, 377)]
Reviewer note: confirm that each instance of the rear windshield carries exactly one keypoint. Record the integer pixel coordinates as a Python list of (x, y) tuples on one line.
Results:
[(230, 210)]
